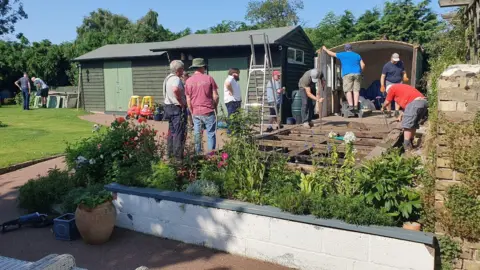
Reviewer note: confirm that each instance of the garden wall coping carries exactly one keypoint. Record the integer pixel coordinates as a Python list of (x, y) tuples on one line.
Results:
[(273, 212)]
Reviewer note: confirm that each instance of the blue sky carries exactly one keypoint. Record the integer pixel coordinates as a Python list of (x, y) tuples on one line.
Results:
[(57, 20)]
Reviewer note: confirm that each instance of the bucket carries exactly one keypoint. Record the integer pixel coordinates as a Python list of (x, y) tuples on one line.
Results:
[(297, 106)]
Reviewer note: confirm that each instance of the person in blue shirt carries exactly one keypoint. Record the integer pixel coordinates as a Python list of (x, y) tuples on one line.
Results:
[(393, 73), (352, 68)]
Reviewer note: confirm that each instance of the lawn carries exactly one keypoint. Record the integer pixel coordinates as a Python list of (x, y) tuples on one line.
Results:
[(38, 133)]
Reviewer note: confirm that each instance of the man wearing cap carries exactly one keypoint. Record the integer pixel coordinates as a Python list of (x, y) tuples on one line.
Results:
[(202, 99), (307, 92), (415, 107), (392, 73), (274, 98), (352, 68)]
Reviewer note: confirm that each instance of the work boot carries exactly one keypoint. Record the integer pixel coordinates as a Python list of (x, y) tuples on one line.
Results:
[(397, 113), (407, 145)]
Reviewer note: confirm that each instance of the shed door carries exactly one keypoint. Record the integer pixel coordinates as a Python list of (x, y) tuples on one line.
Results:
[(118, 85), (218, 69)]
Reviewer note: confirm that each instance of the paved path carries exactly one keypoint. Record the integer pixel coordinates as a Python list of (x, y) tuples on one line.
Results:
[(126, 250)]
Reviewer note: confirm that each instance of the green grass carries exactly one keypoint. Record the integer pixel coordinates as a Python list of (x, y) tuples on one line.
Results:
[(38, 133)]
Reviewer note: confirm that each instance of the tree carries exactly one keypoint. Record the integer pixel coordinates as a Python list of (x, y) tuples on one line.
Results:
[(11, 11), (346, 25), (368, 25), (327, 32), (406, 21), (273, 13)]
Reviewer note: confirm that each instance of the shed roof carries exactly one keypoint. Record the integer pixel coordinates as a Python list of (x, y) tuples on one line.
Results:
[(231, 39), (368, 45), (113, 51)]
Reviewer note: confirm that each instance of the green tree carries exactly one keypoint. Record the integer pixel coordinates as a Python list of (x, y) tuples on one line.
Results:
[(327, 32), (403, 20), (273, 13), (346, 25), (368, 25), (11, 11)]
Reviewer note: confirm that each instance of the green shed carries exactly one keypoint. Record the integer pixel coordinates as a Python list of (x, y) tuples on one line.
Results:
[(112, 73)]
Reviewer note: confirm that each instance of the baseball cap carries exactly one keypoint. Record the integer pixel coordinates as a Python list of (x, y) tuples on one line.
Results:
[(348, 47), (276, 72), (396, 57), (315, 75)]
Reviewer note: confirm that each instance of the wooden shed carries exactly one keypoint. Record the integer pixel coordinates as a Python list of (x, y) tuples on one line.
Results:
[(375, 54), (111, 74)]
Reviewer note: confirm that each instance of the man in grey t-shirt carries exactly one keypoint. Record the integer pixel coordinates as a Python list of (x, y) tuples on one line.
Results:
[(307, 92), (175, 110), (24, 85)]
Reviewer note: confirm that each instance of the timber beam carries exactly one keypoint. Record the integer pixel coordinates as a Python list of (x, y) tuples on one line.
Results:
[(454, 3)]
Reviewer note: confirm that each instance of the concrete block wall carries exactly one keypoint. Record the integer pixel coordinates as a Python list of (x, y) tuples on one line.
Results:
[(300, 245), (458, 100)]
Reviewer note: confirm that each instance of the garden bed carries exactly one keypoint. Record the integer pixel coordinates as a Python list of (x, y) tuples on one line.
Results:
[(267, 233)]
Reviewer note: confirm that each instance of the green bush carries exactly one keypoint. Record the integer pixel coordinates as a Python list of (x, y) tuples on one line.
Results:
[(293, 201), (352, 210), (449, 252), (163, 177), (70, 200), (93, 198), (388, 183), (39, 195), (203, 188)]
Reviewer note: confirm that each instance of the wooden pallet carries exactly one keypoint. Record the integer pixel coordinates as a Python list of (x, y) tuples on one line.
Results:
[(304, 146)]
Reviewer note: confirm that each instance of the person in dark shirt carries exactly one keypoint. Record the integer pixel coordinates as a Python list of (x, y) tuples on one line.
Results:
[(393, 73), (24, 85)]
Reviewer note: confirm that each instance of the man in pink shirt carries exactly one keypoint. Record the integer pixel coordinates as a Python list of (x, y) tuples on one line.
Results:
[(202, 101)]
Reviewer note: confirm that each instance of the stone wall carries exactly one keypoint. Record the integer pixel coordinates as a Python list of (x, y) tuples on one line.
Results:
[(458, 100)]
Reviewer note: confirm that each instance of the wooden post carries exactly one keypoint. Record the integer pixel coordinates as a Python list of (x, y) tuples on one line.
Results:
[(79, 83)]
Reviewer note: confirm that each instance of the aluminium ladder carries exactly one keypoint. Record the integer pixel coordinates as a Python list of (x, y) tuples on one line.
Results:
[(265, 69)]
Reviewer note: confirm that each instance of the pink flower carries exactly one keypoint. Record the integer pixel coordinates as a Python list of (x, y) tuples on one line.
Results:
[(221, 164), (224, 156), (99, 146), (211, 153)]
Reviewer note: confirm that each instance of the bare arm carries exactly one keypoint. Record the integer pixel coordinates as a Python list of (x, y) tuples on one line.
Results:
[(362, 64), (332, 54), (18, 85), (189, 104), (178, 95), (229, 87), (308, 91), (29, 88), (382, 80), (215, 98)]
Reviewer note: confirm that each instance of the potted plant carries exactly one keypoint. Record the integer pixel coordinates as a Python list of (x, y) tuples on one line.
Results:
[(95, 216), (158, 114)]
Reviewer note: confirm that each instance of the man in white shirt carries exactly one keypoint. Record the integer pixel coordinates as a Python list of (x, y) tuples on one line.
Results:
[(175, 110), (232, 93), (274, 98), (42, 90)]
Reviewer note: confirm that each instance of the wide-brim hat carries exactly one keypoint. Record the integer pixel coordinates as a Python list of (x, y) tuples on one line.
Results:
[(198, 63)]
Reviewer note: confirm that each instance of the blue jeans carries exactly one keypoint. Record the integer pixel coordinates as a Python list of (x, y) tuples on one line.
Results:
[(233, 107), (177, 130), (26, 100), (211, 125)]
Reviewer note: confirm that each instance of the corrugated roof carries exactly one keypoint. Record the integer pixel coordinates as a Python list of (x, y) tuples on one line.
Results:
[(191, 41), (225, 39), (367, 45), (122, 51)]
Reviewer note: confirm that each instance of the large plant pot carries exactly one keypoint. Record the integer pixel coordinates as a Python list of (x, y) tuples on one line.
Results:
[(96, 225)]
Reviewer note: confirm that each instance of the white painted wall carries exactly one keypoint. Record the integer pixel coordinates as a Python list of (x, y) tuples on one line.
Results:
[(292, 244)]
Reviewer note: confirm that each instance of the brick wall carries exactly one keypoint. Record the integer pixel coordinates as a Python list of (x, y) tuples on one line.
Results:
[(458, 100)]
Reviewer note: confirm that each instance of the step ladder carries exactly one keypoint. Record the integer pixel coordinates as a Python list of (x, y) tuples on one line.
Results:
[(266, 70)]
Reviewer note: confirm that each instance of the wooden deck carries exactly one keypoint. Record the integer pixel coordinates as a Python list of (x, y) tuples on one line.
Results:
[(304, 146)]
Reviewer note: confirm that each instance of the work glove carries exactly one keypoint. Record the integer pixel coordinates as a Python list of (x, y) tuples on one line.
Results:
[(382, 89)]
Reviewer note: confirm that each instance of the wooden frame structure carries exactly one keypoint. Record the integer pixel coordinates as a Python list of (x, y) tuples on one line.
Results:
[(471, 15)]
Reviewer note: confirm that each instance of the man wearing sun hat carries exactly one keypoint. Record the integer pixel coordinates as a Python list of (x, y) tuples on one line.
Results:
[(274, 98), (393, 72), (202, 100)]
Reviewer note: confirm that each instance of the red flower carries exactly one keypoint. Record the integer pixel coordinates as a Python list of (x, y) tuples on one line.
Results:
[(120, 120), (211, 153), (221, 164), (142, 120), (224, 156)]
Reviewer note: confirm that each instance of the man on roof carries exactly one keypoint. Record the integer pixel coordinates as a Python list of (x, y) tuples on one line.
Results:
[(393, 73), (414, 105), (352, 68)]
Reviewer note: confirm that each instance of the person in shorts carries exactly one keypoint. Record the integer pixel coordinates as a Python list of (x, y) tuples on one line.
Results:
[(43, 89), (414, 105), (352, 68), (393, 72), (274, 98)]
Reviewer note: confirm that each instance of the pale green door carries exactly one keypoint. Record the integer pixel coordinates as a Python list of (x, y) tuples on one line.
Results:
[(118, 85), (218, 69)]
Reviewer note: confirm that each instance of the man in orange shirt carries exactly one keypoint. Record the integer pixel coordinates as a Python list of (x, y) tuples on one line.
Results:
[(414, 106)]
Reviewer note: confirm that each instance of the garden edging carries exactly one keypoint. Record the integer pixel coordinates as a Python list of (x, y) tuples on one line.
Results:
[(22, 165), (267, 233)]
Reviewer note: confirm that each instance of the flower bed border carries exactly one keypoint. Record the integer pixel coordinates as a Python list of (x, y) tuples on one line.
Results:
[(22, 165), (273, 212)]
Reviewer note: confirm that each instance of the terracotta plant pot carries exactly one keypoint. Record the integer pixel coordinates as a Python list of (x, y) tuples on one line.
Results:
[(96, 225), (412, 226)]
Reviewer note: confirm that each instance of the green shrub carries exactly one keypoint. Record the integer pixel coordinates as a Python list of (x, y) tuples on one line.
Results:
[(39, 195), (352, 210), (293, 201), (388, 183), (203, 188), (449, 252), (70, 200), (163, 177), (93, 198)]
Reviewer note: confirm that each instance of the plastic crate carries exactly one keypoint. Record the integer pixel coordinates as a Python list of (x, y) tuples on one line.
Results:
[(65, 228)]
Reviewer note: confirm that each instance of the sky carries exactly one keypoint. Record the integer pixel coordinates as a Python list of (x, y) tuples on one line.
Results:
[(57, 20)]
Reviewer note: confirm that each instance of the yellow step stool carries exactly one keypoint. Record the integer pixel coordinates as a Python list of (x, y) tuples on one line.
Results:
[(148, 100), (134, 101)]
